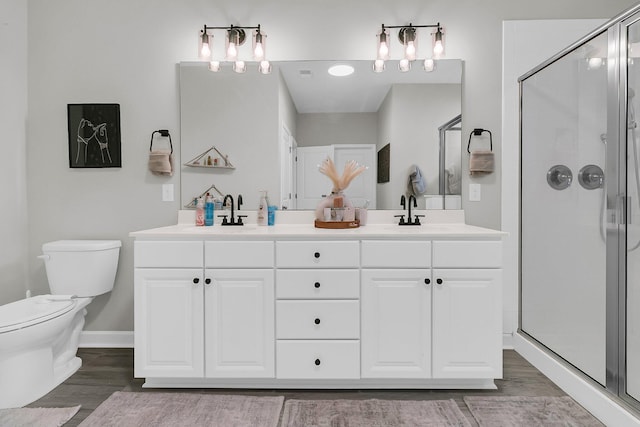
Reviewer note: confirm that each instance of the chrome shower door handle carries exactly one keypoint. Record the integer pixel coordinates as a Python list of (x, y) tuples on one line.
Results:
[(559, 177)]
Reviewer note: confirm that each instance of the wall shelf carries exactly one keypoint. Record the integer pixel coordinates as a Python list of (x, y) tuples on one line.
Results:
[(203, 159)]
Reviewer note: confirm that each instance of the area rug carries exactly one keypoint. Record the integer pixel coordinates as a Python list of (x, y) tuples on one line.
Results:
[(185, 409), (372, 413), (521, 411), (41, 417)]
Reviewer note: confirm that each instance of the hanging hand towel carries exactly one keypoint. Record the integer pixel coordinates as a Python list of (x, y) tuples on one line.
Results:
[(417, 184), (161, 161), (481, 162)]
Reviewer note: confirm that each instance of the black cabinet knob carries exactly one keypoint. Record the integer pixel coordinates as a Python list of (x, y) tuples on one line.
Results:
[(317, 362), (207, 281), (317, 321), (427, 281), (317, 255), (316, 285), (439, 281), (196, 280)]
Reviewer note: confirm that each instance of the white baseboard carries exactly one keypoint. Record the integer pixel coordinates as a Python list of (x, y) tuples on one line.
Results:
[(507, 341), (585, 393), (106, 339)]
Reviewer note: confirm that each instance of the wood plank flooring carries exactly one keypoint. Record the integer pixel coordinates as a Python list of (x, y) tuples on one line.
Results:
[(105, 371)]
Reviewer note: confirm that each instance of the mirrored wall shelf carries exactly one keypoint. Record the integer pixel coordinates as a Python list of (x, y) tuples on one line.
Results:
[(211, 158)]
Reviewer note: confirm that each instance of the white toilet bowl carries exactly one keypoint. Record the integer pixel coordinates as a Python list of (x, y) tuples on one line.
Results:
[(39, 335)]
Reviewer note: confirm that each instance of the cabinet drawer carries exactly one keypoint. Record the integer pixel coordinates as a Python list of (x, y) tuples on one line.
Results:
[(317, 254), (317, 284), (474, 254), (238, 254), (405, 254), (318, 359), (167, 254), (318, 319)]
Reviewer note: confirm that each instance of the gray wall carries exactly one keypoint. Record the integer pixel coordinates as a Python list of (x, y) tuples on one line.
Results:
[(336, 128), (126, 52)]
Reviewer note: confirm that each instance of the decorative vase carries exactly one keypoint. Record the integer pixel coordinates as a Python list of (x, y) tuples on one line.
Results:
[(335, 200)]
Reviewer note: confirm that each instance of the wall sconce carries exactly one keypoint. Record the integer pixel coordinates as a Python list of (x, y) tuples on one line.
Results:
[(408, 36), (235, 37)]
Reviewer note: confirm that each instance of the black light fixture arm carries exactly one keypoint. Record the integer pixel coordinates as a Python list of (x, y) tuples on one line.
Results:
[(413, 26)]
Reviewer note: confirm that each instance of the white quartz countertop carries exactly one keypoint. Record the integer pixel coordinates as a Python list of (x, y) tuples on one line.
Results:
[(383, 226)]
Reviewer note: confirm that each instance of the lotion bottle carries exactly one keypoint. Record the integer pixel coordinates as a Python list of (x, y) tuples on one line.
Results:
[(200, 212), (208, 210), (263, 209)]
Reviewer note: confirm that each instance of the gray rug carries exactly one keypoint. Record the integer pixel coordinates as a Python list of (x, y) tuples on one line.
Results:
[(529, 411), (41, 417), (372, 413), (185, 409)]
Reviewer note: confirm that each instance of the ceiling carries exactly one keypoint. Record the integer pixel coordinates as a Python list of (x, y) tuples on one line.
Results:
[(314, 90)]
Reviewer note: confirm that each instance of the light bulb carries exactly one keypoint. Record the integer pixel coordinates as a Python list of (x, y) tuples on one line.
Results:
[(214, 66), (438, 48), (258, 52), (205, 51), (404, 65), (378, 66), (265, 67), (232, 51), (594, 63), (410, 51), (429, 65), (239, 66)]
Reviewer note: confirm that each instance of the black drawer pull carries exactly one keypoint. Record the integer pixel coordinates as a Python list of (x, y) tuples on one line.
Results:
[(196, 280), (439, 281), (317, 255), (207, 281), (317, 285), (427, 281), (317, 362), (317, 321)]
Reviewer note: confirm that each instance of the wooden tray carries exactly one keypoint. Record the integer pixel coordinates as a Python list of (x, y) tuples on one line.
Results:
[(337, 224)]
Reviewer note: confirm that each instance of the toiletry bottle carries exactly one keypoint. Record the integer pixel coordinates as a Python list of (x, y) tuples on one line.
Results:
[(271, 218), (263, 208), (200, 211), (208, 210)]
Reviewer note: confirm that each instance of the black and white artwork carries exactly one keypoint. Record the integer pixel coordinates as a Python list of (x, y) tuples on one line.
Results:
[(94, 135)]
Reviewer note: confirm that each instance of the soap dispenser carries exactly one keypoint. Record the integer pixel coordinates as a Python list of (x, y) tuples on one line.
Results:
[(199, 211), (263, 209)]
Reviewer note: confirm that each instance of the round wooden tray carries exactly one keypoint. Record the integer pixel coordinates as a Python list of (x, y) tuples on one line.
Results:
[(337, 224)]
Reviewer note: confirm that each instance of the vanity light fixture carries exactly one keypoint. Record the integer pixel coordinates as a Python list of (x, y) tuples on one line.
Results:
[(408, 36), (235, 37)]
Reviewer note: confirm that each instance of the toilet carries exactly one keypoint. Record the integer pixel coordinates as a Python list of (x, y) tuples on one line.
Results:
[(39, 335)]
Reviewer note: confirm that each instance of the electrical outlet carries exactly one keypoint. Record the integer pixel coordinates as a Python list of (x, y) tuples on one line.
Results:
[(474, 192), (167, 192)]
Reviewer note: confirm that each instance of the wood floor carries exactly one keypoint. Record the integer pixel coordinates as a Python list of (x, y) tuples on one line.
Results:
[(105, 371)]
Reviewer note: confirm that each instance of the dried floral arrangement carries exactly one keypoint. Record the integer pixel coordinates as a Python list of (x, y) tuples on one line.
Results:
[(341, 182)]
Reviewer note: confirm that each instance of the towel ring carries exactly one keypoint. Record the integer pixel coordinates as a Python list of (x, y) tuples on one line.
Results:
[(162, 132), (478, 132)]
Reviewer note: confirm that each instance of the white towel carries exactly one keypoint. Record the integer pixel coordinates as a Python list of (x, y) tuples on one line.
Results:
[(161, 162)]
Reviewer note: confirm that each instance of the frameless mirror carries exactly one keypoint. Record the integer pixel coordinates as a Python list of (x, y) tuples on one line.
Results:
[(242, 133)]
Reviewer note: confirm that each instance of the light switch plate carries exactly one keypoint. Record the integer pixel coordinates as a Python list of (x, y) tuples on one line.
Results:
[(474, 192), (167, 192)]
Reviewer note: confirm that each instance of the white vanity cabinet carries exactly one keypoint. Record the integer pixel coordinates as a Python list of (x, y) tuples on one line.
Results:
[(318, 310), (239, 312), (396, 309), (169, 309), (467, 309)]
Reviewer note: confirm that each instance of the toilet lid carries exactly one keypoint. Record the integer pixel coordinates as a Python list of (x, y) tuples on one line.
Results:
[(29, 311)]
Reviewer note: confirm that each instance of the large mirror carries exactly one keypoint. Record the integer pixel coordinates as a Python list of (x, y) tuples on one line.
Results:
[(242, 133)]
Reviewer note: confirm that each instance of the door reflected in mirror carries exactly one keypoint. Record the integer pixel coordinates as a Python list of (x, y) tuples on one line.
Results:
[(277, 128)]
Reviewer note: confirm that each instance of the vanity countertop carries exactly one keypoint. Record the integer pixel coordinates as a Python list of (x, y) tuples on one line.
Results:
[(451, 227)]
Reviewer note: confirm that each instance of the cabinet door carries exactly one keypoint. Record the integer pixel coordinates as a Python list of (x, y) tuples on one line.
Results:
[(467, 323), (239, 323), (168, 322), (396, 323)]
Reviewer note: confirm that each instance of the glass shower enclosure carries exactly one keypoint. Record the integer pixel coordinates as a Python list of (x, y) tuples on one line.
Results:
[(580, 206)]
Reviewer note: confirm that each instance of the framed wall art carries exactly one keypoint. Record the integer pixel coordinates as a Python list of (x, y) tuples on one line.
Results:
[(94, 135), (384, 160)]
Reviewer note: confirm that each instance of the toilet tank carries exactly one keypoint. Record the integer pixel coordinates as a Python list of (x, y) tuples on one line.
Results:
[(85, 268)]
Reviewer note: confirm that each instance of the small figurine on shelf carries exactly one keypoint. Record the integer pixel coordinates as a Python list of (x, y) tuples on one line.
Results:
[(337, 199)]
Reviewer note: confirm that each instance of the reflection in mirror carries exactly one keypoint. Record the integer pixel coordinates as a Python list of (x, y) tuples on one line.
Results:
[(277, 128)]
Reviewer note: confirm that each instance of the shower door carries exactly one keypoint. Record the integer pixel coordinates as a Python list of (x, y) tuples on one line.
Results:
[(563, 207), (631, 383)]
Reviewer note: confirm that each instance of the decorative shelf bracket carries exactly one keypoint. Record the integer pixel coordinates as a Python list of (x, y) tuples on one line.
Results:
[(204, 160)]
